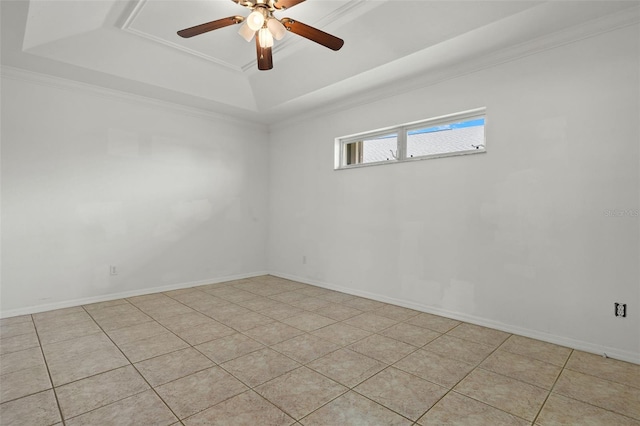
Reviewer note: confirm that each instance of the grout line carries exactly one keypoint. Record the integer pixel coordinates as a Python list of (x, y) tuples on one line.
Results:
[(135, 368), (46, 364), (239, 285), (552, 387)]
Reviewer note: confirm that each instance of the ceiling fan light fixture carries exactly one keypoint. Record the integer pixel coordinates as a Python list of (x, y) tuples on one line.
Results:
[(246, 32), (265, 38), (255, 20), (277, 29), (265, 27)]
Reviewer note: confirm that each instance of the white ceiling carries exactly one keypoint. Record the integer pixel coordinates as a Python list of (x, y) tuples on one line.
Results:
[(132, 46)]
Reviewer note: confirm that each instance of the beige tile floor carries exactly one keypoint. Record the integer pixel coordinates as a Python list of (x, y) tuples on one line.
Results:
[(268, 351)]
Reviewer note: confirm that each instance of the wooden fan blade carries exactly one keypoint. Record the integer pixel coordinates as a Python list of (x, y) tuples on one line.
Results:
[(286, 4), (313, 34), (265, 59), (210, 26)]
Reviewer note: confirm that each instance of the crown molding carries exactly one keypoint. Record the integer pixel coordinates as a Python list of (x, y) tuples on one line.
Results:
[(589, 29), (127, 26), (20, 74)]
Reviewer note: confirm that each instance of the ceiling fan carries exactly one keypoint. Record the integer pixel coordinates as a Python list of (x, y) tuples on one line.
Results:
[(266, 27)]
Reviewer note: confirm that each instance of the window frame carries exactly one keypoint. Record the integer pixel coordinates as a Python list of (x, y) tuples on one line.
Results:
[(402, 131)]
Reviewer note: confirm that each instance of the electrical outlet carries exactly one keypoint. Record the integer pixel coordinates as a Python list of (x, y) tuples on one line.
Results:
[(113, 270), (621, 310), (304, 260)]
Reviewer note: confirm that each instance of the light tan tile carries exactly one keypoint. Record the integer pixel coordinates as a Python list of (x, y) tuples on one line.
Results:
[(522, 368), (605, 368), (370, 322), (180, 291), (16, 328), (141, 409), (510, 395), (247, 321), (125, 320), (172, 366), (435, 368), (310, 303), (159, 344), (229, 347), (58, 323), (118, 310), (16, 320), (190, 319), (288, 296), (347, 367), (232, 294), (382, 348), (145, 297), (336, 297), (81, 357), (281, 312), (197, 297), (67, 332), (59, 351), (161, 300), (272, 333), (341, 334), (260, 366), (78, 366), (308, 321), (301, 391), (18, 343), (536, 349), (246, 409), (306, 348), (93, 307), (96, 391), (560, 410), (199, 391), (24, 382), (260, 304), (478, 334), (456, 409), (397, 313), (352, 409), (337, 311), (313, 291), (433, 322), (363, 304), (204, 333), (459, 349), (57, 314), (609, 395), (40, 409), (401, 392), (22, 360), (142, 331), (166, 310), (411, 334)]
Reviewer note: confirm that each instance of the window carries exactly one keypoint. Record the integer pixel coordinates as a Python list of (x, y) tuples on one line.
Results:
[(372, 149), (455, 134)]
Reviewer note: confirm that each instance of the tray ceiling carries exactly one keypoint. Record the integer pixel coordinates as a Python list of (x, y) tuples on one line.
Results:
[(132, 46)]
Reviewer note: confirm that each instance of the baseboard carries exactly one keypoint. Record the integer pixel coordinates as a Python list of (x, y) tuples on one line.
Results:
[(609, 352), (534, 334), (104, 298)]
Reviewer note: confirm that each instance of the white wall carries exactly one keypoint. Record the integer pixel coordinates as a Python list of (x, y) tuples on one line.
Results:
[(516, 238), (92, 180)]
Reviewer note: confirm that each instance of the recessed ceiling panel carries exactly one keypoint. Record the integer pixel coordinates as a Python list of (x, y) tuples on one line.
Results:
[(54, 20), (159, 20)]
